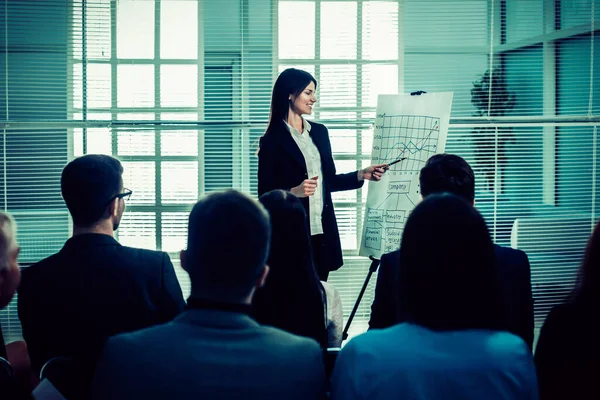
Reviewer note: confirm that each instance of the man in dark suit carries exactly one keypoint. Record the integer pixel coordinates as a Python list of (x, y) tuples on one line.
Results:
[(215, 349), (93, 288), (451, 173)]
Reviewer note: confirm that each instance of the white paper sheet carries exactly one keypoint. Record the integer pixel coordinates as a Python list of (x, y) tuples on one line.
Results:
[(415, 127)]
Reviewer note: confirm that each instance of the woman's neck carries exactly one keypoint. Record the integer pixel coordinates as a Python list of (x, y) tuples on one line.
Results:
[(295, 121)]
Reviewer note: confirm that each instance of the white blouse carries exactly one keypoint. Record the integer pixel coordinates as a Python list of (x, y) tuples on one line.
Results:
[(312, 157)]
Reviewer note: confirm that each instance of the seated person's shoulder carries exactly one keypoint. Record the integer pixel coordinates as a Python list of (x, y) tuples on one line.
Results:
[(391, 258), (507, 347), (138, 342), (142, 257), (510, 254), (37, 273), (282, 342)]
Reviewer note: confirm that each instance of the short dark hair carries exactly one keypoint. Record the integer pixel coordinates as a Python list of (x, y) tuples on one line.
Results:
[(448, 173), (88, 184), (448, 278), (228, 244)]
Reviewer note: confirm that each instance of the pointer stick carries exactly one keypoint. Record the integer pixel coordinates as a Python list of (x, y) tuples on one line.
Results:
[(397, 161)]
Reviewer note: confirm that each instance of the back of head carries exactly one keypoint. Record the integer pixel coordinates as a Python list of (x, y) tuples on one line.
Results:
[(448, 173), (10, 275), (290, 241), (228, 243), (291, 81), (291, 299), (88, 183), (448, 276)]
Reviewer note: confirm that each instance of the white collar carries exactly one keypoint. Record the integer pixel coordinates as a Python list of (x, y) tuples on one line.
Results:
[(294, 131)]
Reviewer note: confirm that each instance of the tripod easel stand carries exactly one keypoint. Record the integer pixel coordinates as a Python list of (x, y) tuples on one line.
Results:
[(372, 269)]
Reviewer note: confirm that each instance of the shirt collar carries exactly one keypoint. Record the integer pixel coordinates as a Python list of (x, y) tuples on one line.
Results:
[(294, 131), (198, 303)]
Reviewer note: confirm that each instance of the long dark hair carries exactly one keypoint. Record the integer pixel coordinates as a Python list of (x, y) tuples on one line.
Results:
[(448, 279), (588, 282), (292, 81), (292, 297)]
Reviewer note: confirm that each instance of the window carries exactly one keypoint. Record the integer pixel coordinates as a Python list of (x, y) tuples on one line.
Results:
[(179, 90), (351, 48)]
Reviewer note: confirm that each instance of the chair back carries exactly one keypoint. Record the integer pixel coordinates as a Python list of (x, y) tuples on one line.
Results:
[(6, 370), (69, 376)]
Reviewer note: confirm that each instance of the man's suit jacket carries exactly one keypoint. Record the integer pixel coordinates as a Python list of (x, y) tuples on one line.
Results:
[(515, 277), (281, 165), (72, 301), (210, 354)]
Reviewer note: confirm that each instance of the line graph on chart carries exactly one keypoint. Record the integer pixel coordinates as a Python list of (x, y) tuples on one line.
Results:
[(408, 131), (412, 136)]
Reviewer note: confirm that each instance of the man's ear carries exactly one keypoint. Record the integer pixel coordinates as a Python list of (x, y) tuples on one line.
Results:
[(263, 277), (113, 207), (182, 260)]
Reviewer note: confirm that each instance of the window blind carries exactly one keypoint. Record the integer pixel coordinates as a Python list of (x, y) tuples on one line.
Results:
[(179, 91)]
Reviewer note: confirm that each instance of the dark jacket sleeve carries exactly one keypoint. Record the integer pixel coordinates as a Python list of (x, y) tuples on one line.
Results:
[(383, 309), (171, 301), (267, 167), (36, 345), (526, 318), (338, 182)]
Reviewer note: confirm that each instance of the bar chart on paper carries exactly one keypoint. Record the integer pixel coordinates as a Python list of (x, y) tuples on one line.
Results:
[(408, 130)]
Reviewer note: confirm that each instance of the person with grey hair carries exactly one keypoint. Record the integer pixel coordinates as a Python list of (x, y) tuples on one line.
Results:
[(10, 275), (215, 349)]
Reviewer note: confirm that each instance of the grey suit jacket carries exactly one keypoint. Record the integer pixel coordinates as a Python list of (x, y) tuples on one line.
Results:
[(210, 354)]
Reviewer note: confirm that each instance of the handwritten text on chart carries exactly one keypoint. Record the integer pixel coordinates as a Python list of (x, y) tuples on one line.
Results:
[(393, 216), (375, 216), (399, 187), (373, 238)]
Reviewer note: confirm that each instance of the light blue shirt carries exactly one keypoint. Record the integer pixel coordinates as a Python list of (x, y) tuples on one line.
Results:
[(408, 361)]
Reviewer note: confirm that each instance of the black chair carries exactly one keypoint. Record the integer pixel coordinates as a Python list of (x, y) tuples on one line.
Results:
[(69, 376), (6, 371), (8, 384)]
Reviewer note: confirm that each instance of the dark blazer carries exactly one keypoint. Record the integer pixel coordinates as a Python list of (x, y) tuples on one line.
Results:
[(210, 354), (93, 288), (281, 165), (515, 277), (567, 355)]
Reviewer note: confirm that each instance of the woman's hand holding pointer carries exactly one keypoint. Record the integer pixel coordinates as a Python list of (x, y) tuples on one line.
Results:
[(372, 173)]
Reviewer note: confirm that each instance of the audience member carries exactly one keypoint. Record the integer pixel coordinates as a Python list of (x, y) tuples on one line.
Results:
[(292, 298), (452, 345), (10, 275), (215, 350), (93, 288), (568, 352), (451, 173)]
